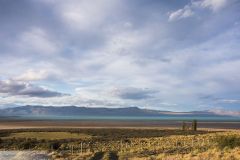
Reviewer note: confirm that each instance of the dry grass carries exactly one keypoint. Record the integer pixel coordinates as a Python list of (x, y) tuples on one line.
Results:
[(211, 154), (138, 144), (217, 146), (49, 135)]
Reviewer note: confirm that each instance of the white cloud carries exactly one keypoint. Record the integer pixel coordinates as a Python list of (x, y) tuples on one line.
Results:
[(231, 101), (82, 15), (190, 9), (181, 13), (214, 5), (225, 112), (128, 24), (168, 104), (33, 75)]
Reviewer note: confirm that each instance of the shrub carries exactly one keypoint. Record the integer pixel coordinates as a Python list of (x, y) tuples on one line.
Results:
[(97, 155), (54, 145), (111, 156), (26, 145), (230, 141)]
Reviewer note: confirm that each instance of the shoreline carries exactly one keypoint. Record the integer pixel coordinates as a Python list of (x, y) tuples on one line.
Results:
[(21, 124)]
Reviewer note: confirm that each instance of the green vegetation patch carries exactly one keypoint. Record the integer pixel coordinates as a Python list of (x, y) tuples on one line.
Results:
[(49, 135)]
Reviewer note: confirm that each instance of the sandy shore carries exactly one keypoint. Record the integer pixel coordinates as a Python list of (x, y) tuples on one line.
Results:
[(19, 124)]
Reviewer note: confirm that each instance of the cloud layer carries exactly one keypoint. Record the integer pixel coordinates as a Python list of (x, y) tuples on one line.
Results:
[(172, 56)]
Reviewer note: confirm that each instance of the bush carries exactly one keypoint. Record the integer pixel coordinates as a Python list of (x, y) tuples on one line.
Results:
[(26, 145), (97, 155), (55, 145), (110, 156), (230, 141)]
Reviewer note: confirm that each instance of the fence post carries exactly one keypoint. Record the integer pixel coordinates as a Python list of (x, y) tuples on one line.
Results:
[(121, 145), (183, 125), (194, 125), (72, 149), (81, 147)]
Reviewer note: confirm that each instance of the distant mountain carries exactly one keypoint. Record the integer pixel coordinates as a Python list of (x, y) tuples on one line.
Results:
[(86, 111), (76, 111)]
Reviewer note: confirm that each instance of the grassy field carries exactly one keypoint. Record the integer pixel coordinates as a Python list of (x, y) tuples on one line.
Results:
[(49, 135), (143, 144)]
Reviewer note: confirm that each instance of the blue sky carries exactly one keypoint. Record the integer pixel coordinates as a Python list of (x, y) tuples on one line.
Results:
[(167, 55)]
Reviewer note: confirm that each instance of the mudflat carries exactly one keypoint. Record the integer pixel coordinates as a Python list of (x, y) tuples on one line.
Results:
[(19, 124)]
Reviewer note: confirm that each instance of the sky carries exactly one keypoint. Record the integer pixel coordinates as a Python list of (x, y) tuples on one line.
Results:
[(155, 54)]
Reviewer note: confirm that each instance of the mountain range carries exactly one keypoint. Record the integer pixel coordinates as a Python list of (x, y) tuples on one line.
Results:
[(29, 110)]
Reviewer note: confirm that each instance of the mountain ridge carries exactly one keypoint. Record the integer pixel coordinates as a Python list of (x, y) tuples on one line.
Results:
[(38, 110)]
